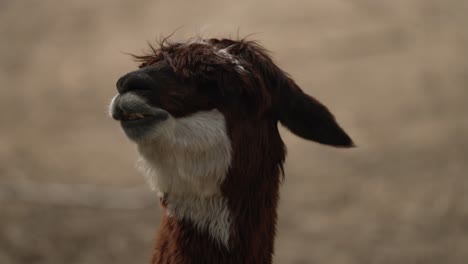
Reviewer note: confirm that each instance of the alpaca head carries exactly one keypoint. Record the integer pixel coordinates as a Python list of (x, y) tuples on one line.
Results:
[(204, 113), (236, 78)]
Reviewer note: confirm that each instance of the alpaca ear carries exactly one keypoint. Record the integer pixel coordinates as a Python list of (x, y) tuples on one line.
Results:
[(308, 118)]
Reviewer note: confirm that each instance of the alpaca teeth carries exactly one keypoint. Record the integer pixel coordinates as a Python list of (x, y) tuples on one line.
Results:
[(131, 116)]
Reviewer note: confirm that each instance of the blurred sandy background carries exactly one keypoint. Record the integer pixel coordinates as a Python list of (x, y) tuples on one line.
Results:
[(395, 73)]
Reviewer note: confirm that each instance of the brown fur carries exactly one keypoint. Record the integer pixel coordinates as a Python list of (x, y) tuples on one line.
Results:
[(240, 80), (251, 187)]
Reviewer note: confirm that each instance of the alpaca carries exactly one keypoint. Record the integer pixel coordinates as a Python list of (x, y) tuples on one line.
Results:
[(204, 115)]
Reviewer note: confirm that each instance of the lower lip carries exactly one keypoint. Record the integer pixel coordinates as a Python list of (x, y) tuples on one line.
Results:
[(137, 122), (147, 120)]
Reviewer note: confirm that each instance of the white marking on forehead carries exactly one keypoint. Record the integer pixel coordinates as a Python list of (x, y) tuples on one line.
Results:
[(186, 160), (219, 52), (225, 54)]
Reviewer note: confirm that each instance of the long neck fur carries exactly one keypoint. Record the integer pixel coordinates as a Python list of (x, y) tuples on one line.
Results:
[(251, 189)]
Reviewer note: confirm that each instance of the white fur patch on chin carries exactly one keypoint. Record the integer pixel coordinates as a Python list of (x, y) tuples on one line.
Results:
[(186, 160)]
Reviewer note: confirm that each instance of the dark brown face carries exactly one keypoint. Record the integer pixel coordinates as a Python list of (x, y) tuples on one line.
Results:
[(152, 94), (237, 78), (159, 85), (197, 78)]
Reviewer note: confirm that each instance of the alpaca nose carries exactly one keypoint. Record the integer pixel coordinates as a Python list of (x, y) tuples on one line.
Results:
[(133, 81)]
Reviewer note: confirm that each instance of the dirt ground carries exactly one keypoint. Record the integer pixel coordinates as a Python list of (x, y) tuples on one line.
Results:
[(395, 73)]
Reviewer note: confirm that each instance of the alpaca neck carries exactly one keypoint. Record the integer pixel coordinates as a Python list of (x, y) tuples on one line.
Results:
[(251, 232), (239, 225)]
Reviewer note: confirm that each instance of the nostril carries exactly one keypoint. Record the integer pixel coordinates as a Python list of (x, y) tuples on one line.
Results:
[(131, 82)]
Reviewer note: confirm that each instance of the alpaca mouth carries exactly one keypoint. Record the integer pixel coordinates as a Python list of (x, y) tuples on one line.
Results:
[(136, 116), (129, 119)]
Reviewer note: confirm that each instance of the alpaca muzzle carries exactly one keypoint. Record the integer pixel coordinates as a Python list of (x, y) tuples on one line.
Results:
[(135, 115)]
